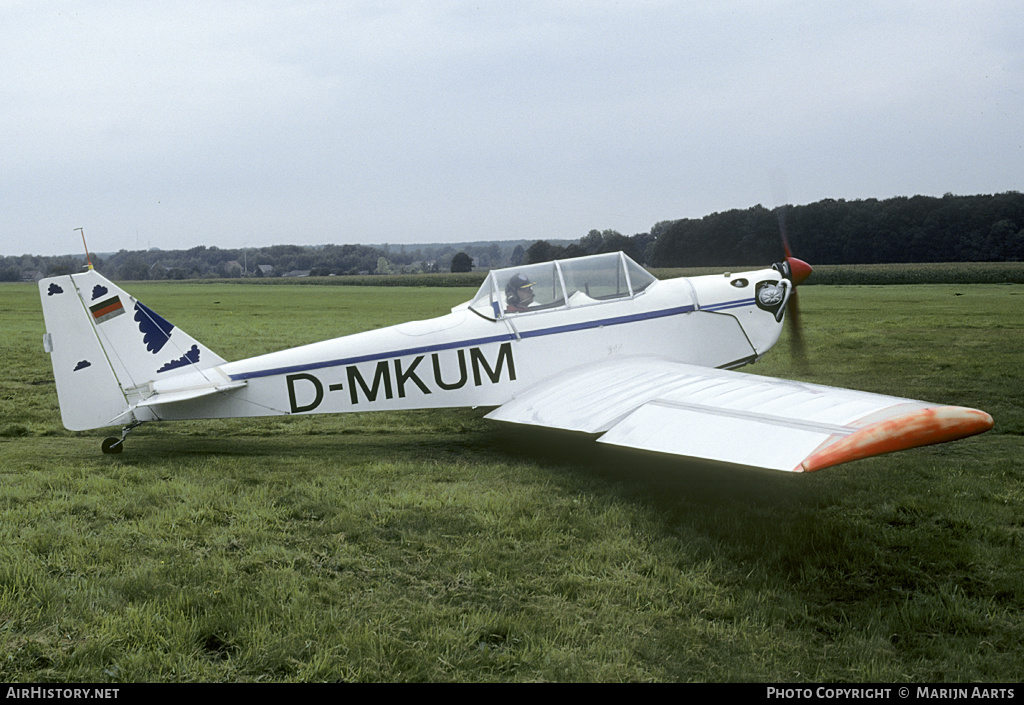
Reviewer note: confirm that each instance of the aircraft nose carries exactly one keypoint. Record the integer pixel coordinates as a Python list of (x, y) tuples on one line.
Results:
[(799, 270)]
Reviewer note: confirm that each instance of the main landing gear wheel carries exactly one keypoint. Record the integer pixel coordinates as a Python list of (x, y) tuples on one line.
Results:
[(112, 445)]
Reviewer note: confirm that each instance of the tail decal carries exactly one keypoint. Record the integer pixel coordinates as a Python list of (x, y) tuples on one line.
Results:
[(189, 358), (106, 310), (156, 331)]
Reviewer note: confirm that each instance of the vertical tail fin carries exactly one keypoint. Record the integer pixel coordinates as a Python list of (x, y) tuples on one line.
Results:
[(106, 348)]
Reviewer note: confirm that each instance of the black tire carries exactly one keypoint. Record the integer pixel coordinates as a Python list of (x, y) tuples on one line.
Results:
[(112, 445)]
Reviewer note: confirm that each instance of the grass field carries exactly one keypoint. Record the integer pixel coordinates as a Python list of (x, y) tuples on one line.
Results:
[(856, 274), (437, 546)]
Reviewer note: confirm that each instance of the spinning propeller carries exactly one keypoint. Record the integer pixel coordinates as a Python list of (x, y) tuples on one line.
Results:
[(796, 270)]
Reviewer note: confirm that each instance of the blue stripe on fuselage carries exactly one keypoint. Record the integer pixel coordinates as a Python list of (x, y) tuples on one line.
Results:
[(554, 330), (738, 303)]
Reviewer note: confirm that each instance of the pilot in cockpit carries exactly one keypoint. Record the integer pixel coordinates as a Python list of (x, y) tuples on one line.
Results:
[(518, 294)]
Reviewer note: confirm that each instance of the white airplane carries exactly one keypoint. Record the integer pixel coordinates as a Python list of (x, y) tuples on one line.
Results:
[(595, 344)]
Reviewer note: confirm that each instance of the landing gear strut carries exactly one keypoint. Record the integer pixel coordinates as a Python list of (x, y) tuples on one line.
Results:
[(114, 445)]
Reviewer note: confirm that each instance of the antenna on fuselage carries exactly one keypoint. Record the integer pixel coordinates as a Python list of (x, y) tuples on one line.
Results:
[(87, 258)]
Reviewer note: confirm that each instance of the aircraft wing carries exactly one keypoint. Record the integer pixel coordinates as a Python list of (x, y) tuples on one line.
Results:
[(669, 407)]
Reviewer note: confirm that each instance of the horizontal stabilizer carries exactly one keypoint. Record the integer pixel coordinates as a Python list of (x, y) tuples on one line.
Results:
[(732, 417), (188, 394)]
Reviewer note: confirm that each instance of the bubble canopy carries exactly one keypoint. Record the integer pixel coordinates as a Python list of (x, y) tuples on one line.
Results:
[(569, 283)]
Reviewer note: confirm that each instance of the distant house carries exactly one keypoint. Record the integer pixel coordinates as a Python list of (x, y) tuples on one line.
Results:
[(32, 275), (264, 270), (297, 273)]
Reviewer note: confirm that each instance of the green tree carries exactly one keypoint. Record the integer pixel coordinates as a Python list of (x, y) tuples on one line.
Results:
[(462, 262), (542, 251), (133, 268), (518, 256)]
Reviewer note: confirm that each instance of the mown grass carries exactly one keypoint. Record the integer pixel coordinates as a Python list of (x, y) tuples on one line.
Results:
[(437, 546)]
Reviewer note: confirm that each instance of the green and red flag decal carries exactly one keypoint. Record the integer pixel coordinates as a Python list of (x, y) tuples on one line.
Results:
[(105, 310)]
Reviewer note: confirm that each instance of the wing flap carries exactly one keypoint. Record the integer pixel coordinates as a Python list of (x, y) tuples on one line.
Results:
[(770, 441), (722, 415)]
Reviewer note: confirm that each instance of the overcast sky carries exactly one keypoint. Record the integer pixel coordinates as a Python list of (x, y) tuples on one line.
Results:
[(175, 124)]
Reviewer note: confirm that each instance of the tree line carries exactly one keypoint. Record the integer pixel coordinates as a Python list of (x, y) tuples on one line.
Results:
[(274, 261), (981, 228), (984, 228)]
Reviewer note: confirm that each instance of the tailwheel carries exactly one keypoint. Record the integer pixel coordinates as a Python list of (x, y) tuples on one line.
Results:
[(112, 445)]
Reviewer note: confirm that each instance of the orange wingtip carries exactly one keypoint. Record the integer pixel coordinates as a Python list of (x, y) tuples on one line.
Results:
[(937, 424)]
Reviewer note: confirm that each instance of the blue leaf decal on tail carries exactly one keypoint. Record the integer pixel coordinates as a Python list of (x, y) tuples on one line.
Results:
[(82, 365), (155, 330), (54, 289), (189, 358), (98, 291)]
